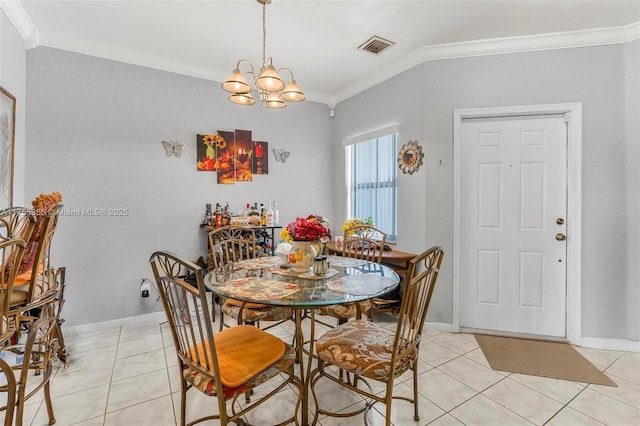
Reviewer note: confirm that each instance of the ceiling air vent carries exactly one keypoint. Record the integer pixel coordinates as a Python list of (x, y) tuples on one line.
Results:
[(375, 45)]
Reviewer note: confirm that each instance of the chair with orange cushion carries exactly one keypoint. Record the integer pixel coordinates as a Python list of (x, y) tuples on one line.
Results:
[(228, 364), (365, 243), (38, 282), (231, 244), (370, 351)]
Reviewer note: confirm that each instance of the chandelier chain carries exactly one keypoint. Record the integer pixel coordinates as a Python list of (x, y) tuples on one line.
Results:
[(264, 34)]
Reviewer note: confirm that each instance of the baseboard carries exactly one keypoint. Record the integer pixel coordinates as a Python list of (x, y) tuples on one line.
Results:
[(609, 344), (97, 326), (441, 327)]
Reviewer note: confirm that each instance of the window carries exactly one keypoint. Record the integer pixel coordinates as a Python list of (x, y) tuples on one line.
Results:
[(371, 180)]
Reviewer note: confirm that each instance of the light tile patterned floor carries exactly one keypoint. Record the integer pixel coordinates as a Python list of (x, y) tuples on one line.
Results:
[(127, 374)]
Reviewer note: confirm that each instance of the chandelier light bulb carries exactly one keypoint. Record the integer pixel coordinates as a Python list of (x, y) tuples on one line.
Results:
[(236, 83), (273, 101), (242, 99), (292, 92)]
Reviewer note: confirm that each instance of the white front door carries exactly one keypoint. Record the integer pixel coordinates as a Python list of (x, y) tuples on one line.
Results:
[(513, 206)]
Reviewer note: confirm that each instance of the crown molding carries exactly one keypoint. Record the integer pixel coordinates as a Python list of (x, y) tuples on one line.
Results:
[(498, 46), (551, 41), (21, 21)]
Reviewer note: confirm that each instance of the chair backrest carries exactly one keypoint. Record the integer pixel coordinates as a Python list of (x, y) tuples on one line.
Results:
[(11, 252), (364, 242), (16, 222), (43, 284), (421, 280), (230, 244), (187, 312)]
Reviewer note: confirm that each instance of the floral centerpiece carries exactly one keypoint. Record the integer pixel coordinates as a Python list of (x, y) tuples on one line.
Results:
[(303, 233), (350, 224), (311, 228)]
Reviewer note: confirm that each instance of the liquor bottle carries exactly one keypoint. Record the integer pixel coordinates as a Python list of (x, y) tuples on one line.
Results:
[(270, 214), (208, 215), (226, 216), (263, 215), (276, 214), (218, 216)]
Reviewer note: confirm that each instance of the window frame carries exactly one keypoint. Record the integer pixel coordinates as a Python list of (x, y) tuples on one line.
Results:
[(350, 146)]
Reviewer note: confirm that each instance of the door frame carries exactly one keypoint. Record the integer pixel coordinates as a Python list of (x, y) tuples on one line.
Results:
[(573, 113)]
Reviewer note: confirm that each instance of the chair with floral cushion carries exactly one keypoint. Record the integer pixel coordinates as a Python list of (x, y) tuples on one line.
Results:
[(231, 244), (370, 351), (228, 364), (362, 242)]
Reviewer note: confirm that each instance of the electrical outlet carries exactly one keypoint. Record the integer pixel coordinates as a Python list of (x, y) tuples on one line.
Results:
[(145, 288)]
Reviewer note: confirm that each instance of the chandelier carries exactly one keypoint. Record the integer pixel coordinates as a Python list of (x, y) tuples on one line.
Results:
[(270, 86)]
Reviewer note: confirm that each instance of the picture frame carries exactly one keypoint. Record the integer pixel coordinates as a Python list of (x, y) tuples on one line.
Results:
[(7, 146)]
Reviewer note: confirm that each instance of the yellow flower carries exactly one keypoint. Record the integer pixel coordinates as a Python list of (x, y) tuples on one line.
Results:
[(214, 140), (353, 222)]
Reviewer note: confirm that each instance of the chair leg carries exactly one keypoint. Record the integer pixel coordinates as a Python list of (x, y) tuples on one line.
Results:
[(416, 415), (63, 356), (47, 399), (183, 401), (11, 392)]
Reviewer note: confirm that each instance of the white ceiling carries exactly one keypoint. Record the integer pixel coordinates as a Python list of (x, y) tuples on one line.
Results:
[(317, 39)]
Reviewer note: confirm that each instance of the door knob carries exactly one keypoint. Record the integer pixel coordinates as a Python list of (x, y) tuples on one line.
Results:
[(560, 237), (560, 221)]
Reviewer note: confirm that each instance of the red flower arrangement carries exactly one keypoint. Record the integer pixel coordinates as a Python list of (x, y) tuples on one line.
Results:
[(310, 228)]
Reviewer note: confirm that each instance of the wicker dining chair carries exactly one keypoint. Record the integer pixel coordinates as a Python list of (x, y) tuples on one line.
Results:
[(34, 368), (11, 252), (37, 285), (228, 364), (231, 244), (365, 243), (370, 351)]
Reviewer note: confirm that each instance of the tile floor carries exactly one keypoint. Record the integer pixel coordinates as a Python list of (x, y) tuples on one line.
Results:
[(127, 374)]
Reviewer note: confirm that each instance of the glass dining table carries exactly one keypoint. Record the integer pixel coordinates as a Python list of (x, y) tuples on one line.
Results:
[(270, 281)]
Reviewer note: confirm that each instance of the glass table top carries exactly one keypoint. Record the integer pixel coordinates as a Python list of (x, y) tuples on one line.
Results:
[(265, 280)]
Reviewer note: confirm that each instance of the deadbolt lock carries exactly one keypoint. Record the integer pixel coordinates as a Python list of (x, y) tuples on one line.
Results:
[(560, 221), (560, 237)]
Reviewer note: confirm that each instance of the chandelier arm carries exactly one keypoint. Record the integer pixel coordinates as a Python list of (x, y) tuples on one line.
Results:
[(288, 69), (252, 72)]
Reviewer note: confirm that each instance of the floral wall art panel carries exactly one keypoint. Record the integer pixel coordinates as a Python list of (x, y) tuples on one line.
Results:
[(225, 164), (244, 154), (206, 145), (260, 164)]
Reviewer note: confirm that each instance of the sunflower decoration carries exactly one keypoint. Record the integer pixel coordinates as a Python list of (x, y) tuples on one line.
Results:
[(213, 141)]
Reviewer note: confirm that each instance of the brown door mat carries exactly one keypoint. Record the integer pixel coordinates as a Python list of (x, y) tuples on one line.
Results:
[(539, 358)]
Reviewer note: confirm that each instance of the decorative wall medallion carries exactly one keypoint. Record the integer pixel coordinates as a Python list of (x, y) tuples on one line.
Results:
[(410, 157)]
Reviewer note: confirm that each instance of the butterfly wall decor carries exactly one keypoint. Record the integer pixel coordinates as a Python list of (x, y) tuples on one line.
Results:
[(281, 155), (173, 148)]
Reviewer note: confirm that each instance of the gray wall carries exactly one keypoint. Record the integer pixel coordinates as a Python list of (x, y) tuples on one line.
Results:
[(13, 78), (94, 129), (605, 79)]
